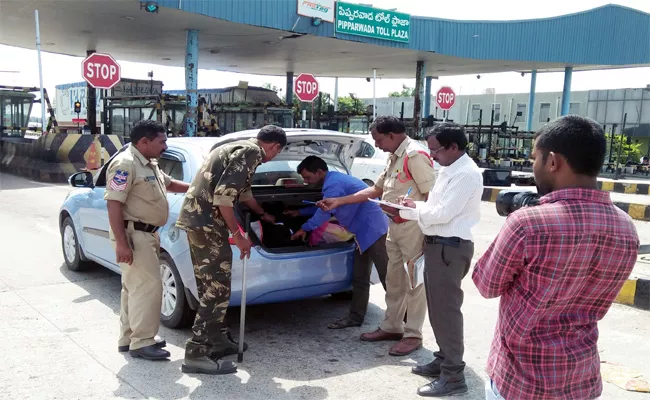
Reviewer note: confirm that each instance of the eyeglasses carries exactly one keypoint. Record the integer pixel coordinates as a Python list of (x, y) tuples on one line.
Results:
[(434, 152)]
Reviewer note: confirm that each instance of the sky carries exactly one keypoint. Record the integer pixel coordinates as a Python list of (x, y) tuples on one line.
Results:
[(59, 69)]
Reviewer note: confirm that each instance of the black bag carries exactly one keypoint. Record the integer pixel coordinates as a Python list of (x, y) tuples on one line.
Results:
[(278, 236)]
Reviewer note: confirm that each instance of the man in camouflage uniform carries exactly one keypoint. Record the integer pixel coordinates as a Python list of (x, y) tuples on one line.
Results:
[(208, 216)]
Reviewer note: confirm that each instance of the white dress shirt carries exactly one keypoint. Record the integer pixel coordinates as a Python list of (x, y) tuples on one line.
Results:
[(454, 203)]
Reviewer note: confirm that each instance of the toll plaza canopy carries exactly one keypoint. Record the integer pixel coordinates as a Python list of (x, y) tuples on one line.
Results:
[(269, 37)]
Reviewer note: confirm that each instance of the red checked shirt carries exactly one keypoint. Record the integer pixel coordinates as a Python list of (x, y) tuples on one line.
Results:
[(557, 267)]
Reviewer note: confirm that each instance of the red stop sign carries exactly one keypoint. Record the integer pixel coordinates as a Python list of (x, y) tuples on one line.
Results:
[(445, 98), (101, 71), (306, 87)]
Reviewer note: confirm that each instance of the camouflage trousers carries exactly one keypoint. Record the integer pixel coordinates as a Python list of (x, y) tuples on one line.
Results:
[(212, 261)]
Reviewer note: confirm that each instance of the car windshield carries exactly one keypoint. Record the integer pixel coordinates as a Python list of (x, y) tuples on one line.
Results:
[(281, 173)]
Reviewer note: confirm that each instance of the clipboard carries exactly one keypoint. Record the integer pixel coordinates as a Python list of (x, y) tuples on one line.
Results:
[(415, 270), (389, 204)]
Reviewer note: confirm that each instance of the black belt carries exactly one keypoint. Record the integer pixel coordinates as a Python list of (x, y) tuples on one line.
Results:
[(141, 226), (449, 241)]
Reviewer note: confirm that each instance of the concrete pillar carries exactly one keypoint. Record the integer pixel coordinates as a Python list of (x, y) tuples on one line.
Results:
[(427, 96), (531, 101), (566, 91), (289, 99), (336, 94), (191, 80), (374, 94), (419, 93)]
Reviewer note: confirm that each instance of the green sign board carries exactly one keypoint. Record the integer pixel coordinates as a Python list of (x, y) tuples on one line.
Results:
[(355, 19)]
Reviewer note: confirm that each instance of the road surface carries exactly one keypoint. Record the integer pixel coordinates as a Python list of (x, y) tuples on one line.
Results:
[(60, 329)]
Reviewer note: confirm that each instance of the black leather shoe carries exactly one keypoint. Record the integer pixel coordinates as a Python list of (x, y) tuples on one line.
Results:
[(440, 387), (160, 343), (152, 352), (432, 370)]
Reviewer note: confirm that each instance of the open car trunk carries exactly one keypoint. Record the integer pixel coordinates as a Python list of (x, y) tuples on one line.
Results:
[(278, 187), (277, 238)]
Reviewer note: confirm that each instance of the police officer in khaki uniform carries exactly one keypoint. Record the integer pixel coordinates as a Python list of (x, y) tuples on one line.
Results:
[(137, 208), (409, 167), (208, 217)]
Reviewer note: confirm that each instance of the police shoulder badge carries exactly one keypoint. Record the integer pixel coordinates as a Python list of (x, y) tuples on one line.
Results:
[(118, 183)]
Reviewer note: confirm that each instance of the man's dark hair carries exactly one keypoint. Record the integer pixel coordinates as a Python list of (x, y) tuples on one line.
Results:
[(272, 134), (146, 128), (386, 124), (581, 140), (312, 164), (448, 133)]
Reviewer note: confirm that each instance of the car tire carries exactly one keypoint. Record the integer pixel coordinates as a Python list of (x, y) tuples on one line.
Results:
[(175, 311), (342, 296), (369, 182), (71, 248)]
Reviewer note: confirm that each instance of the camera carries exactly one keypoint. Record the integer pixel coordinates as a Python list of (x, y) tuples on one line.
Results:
[(509, 201)]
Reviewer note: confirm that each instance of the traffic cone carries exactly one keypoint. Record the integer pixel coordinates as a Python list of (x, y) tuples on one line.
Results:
[(93, 160)]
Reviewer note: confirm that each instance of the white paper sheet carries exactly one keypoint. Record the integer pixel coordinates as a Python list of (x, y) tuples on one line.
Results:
[(389, 204), (415, 270)]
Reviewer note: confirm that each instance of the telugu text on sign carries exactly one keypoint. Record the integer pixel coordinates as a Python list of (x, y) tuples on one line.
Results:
[(355, 19)]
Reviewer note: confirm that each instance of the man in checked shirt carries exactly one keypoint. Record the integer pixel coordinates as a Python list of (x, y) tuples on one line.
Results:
[(558, 268)]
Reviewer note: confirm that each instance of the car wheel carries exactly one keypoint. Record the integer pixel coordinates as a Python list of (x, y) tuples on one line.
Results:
[(70, 247), (342, 296), (175, 311), (369, 182)]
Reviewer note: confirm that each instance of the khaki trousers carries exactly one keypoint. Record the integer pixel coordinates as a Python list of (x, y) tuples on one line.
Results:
[(141, 296), (404, 242)]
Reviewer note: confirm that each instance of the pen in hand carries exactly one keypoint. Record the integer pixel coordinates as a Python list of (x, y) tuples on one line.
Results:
[(403, 198)]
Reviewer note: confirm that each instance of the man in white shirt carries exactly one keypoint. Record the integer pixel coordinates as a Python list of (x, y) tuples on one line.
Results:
[(446, 219)]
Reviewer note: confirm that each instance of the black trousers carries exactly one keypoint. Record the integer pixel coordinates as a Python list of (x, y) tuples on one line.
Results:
[(447, 261), (375, 254)]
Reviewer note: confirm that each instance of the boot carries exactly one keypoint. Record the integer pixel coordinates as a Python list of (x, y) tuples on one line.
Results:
[(208, 365)]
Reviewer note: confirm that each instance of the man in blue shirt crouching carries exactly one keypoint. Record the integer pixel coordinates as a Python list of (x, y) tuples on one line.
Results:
[(366, 221)]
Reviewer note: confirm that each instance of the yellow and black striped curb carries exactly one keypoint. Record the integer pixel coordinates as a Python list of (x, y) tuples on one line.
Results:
[(626, 188), (639, 212), (635, 292), (54, 157)]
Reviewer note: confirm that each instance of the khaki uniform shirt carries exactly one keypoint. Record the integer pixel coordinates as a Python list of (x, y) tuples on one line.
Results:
[(224, 178), (393, 179), (140, 185)]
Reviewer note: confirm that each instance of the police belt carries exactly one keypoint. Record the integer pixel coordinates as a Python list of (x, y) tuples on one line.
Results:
[(453, 241), (141, 226)]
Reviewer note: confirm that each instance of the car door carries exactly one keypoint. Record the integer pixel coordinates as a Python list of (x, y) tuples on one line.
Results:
[(94, 222), (94, 217), (368, 163)]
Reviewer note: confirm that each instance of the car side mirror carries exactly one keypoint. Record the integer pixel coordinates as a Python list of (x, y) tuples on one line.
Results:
[(81, 179)]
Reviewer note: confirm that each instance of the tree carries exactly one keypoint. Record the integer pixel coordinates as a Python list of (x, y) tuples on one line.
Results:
[(351, 105), (270, 87), (406, 92), (630, 151)]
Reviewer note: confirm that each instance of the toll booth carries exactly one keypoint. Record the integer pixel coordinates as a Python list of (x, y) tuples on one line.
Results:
[(228, 118), (15, 109), (122, 112), (214, 119), (225, 110)]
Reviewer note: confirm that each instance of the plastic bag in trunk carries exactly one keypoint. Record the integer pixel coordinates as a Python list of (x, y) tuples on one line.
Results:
[(329, 232)]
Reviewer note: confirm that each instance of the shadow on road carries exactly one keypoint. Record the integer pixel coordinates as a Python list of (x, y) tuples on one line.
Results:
[(289, 344)]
